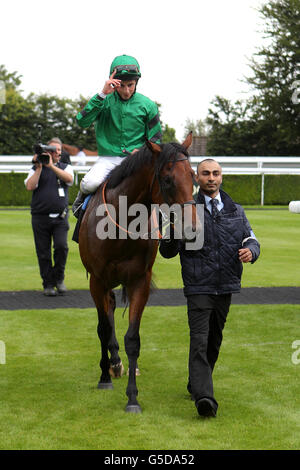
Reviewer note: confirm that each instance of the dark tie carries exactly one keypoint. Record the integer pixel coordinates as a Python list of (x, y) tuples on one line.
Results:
[(214, 210)]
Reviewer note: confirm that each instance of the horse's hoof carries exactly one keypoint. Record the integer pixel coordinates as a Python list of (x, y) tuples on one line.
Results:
[(116, 370), (133, 409), (137, 372), (105, 386)]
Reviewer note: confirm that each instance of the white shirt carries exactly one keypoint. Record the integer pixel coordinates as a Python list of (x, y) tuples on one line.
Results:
[(220, 204)]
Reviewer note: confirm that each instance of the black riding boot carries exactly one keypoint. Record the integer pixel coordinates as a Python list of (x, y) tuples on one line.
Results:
[(78, 203)]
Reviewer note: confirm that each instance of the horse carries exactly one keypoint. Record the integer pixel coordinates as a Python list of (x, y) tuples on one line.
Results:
[(154, 174)]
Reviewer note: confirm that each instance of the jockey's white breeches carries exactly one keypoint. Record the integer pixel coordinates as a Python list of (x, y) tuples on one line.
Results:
[(98, 173)]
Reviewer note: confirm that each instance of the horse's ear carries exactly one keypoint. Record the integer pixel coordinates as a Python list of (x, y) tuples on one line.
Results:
[(153, 147), (188, 141)]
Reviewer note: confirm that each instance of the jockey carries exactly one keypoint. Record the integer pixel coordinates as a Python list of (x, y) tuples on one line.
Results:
[(123, 119)]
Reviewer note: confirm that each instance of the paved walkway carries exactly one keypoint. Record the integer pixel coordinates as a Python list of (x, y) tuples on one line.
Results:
[(22, 300)]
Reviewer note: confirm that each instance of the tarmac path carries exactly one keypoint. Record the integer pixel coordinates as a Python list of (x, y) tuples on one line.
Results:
[(29, 300)]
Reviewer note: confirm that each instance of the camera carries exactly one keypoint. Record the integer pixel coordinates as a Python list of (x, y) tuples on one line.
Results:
[(40, 150)]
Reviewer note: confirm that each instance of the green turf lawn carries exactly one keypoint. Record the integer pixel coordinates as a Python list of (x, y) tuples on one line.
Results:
[(49, 399), (48, 395), (277, 230)]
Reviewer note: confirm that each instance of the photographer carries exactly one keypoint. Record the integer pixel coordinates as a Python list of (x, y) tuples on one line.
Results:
[(49, 180)]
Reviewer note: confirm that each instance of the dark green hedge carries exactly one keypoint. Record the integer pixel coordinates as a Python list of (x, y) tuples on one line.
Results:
[(14, 193), (282, 189), (278, 189), (244, 189)]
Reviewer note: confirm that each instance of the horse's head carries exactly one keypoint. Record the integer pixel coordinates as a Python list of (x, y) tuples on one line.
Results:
[(173, 187)]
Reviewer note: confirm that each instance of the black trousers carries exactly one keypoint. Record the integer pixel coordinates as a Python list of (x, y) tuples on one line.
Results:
[(46, 230), (206, 316)]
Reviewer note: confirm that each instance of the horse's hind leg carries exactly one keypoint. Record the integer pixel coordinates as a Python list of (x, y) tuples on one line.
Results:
[(116, 367), (104, 329)]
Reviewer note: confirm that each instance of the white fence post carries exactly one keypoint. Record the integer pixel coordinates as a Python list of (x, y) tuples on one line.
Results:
[(262, 195)]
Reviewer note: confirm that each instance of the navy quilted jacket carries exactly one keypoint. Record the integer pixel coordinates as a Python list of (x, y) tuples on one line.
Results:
[(215, 268)]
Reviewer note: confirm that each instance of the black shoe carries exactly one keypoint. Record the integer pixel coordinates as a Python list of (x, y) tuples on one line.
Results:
[(78, 203), (206, 408), (49, 291), (61, 288)]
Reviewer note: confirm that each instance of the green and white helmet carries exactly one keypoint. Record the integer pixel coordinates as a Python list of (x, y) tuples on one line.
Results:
[(127, 68)]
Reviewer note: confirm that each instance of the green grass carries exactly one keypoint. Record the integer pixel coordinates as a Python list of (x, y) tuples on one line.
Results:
[(278, 232), (49, 400), (48, 394)]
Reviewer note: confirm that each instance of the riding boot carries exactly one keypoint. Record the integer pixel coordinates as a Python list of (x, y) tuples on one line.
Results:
[(78, 203)]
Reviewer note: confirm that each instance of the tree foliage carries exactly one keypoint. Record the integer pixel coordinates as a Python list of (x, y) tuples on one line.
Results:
[(268, 123), (20, 118), (168, 133), (198, 127)]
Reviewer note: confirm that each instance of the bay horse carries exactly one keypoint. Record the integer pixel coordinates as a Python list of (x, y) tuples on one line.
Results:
[(154, 174)]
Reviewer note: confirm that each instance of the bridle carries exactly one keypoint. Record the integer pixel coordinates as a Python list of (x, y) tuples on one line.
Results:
[(191, 202), (181, 159)]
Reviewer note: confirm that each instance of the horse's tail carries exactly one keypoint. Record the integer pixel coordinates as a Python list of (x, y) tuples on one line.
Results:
[(124, 297)]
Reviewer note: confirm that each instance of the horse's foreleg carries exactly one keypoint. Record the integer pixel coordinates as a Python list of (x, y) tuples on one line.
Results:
[(138, 296), (104, 329), (132, 347), (116, 367)]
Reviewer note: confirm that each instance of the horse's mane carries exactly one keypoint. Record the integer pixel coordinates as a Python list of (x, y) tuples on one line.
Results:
[(133, 163)]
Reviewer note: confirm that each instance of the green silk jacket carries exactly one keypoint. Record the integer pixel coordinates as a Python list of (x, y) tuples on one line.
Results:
[(121, 126)]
